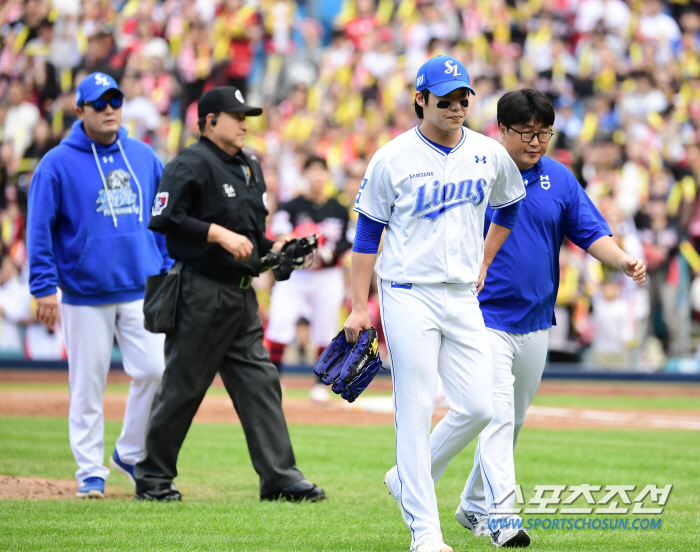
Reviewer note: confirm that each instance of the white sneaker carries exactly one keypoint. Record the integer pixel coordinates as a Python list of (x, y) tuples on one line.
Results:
[(511, 538), (433, 544), (391, 480), (319, 393), (475, 522)]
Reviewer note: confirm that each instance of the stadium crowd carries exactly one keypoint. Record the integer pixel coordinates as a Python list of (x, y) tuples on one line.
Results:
[(336, 80)]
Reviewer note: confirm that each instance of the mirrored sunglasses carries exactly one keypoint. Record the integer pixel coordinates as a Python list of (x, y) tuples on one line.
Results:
[(100, 104)]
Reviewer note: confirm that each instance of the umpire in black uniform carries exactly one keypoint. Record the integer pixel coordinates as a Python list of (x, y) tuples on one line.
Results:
[(211, 205)]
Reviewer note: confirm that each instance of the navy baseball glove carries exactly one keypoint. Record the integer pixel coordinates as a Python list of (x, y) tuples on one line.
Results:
[(350, 367), (331, 361)]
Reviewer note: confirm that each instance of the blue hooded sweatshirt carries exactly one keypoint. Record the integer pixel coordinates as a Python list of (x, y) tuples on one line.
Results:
[(87, 228)]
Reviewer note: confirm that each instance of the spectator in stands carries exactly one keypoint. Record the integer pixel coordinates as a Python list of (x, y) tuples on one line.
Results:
[(625, 77), (22, 116)]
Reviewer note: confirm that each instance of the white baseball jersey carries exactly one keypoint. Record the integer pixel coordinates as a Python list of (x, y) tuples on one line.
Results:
[(434, 203)]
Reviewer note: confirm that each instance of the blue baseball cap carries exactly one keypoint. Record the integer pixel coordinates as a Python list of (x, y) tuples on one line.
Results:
[(441, 75), (93, 86)]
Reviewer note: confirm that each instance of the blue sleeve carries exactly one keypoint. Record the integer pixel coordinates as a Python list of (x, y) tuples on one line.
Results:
[(160, 238), (368, 234), (583, 223), (42, 212), (508, 215)]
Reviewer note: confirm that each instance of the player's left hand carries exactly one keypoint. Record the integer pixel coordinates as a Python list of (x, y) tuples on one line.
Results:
[(281, 240), (635, 269), (482, 277)]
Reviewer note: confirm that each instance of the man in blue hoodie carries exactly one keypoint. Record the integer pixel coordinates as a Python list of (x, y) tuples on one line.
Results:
[(87, 234)]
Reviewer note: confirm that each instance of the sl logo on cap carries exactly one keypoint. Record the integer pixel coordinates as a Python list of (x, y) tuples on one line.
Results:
[(453, 69), (239, 96), (101, 80)]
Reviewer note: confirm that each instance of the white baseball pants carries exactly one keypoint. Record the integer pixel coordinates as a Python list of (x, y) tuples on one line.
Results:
[(518, 363), (89, 333), (314, 294), (430, 330)]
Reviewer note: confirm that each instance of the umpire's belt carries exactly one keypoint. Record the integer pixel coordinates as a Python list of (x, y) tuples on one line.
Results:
[(242, 282)]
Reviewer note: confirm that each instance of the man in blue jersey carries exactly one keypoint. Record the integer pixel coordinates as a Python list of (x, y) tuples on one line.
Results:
[(518, 304)]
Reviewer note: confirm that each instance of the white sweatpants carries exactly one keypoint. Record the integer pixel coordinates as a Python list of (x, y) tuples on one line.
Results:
[(518, 363), (89, 334), (433, 329), (314, 294)]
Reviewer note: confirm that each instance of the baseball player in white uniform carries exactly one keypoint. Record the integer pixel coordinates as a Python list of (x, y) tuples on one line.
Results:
[(429, 187), (518, 306)]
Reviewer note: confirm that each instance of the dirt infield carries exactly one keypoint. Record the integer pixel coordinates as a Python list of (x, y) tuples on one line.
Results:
[(37, 488), (369, 410)]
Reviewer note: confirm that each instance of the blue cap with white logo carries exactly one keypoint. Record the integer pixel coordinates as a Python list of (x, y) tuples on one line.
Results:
[(93, 86), (441, 75)]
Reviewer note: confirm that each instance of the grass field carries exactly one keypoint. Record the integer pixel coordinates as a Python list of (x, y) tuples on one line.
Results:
[(221, 511)]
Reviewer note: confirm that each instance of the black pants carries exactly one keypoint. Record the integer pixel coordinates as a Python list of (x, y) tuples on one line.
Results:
[(218, 329)]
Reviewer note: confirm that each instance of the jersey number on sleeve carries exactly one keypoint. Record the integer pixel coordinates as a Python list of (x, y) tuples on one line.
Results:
[(362, 187)]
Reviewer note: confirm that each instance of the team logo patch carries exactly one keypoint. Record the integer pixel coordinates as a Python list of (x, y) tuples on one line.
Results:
[(101, 79), (420, 80), (452, 68), (544, 182), (481, 159), (239, 96), (119, 198), (159, 203), (229, 190)]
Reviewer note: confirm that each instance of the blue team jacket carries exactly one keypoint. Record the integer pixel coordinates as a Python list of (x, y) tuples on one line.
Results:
[(87, 228)]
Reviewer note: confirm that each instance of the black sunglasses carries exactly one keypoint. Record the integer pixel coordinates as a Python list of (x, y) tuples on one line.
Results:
[(100, 104), (444, 104)]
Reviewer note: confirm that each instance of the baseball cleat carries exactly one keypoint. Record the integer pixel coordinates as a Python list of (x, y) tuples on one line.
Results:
[(433, 544), (511, 538), (391, 480), (301, 491), (92, 487), (122, 467), (163, 492), (475, 522)]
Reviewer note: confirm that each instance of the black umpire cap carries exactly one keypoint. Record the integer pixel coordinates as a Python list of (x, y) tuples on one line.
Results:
[(225, 98)]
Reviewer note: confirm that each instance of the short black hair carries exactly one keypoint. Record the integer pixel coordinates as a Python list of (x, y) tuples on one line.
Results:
[(519, 107), (419, 108), (313, 160)]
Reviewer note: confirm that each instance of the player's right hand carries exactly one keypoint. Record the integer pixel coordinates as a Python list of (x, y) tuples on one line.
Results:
[(236, 244), (358, 320), (482, 277), (47, 310)]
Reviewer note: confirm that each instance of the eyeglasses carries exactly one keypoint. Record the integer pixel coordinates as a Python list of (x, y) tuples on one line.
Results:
[(100, 104), (543, 137), (444, 104)]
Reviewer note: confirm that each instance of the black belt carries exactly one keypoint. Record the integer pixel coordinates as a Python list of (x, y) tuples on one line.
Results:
[(242, 282)]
